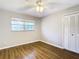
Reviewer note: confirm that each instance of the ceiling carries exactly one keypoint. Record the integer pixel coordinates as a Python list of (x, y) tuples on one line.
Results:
[(51, 6)]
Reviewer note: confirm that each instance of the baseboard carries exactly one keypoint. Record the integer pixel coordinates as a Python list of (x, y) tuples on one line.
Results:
[(72, 51), (31, 42), (38, 41), (60, 47), (53, 44), (19, 44)]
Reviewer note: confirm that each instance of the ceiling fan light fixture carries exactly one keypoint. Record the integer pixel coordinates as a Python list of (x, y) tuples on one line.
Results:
[(39, 6)]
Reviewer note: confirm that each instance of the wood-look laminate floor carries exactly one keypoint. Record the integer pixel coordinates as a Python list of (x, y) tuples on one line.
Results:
[(38, 50)]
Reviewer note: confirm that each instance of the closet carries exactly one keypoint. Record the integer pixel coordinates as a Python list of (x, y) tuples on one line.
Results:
[(71, 32)]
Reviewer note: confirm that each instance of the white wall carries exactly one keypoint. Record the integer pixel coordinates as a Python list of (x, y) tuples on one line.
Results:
[(52, 27), (9, 38)]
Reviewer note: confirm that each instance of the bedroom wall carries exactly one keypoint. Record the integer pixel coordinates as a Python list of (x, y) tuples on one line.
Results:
[(9, 38), (51, 29)]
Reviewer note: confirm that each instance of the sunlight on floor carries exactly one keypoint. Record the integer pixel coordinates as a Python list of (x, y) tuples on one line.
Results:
[(32, 55)]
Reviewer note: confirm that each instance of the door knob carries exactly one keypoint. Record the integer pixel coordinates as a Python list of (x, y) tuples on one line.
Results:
[(72, 34)]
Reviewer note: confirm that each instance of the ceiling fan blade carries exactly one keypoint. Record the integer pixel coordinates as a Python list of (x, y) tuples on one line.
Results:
[(53, 4), (26, 7)]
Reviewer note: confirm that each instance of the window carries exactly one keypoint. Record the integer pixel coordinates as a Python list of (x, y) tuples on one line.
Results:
[(29, 26), (22, 25), (17, 26)]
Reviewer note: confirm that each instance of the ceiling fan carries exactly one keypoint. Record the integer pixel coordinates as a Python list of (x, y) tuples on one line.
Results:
[(39, 5)]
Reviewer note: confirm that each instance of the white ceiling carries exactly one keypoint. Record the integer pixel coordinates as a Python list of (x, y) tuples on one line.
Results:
[(50, 6)]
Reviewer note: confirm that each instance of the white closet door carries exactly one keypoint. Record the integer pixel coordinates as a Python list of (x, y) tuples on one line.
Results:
[(72, 34), (77, 33), (66, 32)]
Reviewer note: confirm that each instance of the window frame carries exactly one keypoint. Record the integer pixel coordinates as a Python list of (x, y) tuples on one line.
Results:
[(24, 30)]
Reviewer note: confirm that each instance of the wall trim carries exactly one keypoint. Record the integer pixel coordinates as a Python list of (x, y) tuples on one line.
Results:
[(19, 44), (40, 41), (53, 44), (59, 47), (33, 42), (72, 51)]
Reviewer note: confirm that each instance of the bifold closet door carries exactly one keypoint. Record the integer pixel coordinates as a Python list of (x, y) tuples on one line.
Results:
[(77, 33), (66, 32), (71, 32)]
